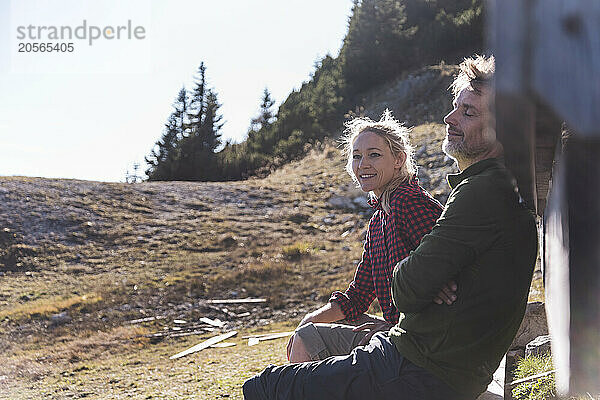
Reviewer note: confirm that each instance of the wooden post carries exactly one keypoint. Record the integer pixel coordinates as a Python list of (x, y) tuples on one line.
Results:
[(583, 196), (547, 70), (548, 129), (565, 75), (556, 275), (565, 60)]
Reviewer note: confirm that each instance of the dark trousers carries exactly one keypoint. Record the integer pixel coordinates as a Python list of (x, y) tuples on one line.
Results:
[(374, 371)]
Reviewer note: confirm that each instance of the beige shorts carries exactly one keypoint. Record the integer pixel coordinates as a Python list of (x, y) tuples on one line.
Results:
[(325, 340)]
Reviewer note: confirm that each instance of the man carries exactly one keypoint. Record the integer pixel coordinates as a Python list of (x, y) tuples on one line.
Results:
[(485, 241)]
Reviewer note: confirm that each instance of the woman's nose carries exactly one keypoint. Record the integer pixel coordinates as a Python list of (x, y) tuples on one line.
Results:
[(363, 162)]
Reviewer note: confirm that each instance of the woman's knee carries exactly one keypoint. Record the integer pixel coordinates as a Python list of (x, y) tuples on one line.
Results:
[(298, 352)]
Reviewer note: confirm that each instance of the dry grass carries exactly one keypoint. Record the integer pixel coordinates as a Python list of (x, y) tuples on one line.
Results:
[(297, 250), (119, 258), (139, 370), (45, 307), (536, 290)]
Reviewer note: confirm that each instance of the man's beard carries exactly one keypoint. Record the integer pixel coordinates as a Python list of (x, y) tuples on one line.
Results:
[(462, 153)]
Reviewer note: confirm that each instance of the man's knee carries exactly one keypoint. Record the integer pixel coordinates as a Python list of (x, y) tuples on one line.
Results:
[(275, 382), (248, 389), (253, 388)]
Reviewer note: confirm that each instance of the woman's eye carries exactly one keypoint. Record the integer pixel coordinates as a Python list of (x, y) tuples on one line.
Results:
[(374, 154), (356, 156)]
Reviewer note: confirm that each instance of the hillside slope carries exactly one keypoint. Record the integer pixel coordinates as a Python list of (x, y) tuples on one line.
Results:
[(104, 238)]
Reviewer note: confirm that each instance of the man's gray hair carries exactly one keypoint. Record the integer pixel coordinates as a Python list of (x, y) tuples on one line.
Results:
[(475, 72)]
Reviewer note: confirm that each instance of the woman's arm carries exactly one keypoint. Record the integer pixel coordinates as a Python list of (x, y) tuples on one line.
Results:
[(359, 295), (330, 312)]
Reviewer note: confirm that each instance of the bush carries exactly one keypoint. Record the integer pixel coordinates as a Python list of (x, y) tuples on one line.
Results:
[(538, 389), (297, 250)]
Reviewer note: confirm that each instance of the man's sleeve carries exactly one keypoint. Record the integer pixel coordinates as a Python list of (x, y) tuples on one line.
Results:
[(466, 228), (360, 293)]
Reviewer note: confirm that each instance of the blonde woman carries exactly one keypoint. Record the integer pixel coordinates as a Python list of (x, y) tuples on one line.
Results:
[(380, 161)]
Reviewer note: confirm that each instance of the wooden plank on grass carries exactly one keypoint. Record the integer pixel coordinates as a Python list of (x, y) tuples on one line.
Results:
[(236, 301), (222, 344), (172, 335), (147, 319), (532, 377), (204, 345), (277, 335), (257, 339), (262, 335), (257, 336), (213, 322)]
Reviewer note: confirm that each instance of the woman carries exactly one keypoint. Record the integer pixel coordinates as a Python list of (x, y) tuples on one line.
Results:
[(380, 161)]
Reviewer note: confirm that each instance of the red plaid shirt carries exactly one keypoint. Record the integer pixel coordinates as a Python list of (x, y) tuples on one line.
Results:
[(390, 238)]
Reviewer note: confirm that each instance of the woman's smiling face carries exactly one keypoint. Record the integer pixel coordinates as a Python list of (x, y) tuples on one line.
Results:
[(373, 163)]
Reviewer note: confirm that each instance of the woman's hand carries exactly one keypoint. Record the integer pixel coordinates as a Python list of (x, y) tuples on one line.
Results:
[(307, 318), (373, 326)]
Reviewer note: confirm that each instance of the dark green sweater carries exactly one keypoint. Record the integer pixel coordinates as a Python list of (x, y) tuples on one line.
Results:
[(487, 242)]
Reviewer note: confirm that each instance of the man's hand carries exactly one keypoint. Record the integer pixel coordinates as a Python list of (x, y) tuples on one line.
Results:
[(447, 294), (373, 328)]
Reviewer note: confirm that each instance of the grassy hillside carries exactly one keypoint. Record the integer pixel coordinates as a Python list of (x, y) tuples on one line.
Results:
[(80, 259)]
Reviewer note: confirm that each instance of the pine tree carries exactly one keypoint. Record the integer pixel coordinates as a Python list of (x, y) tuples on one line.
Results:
[(211, 126), (266, 117), (198, 97), (162, 161), (181, 111), (375, 48), (197, 157)]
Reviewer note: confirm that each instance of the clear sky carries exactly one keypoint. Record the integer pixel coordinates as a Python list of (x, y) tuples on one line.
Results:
[(93, 112)]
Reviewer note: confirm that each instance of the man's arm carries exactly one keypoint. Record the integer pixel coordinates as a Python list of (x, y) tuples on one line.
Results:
[(466, 228)]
